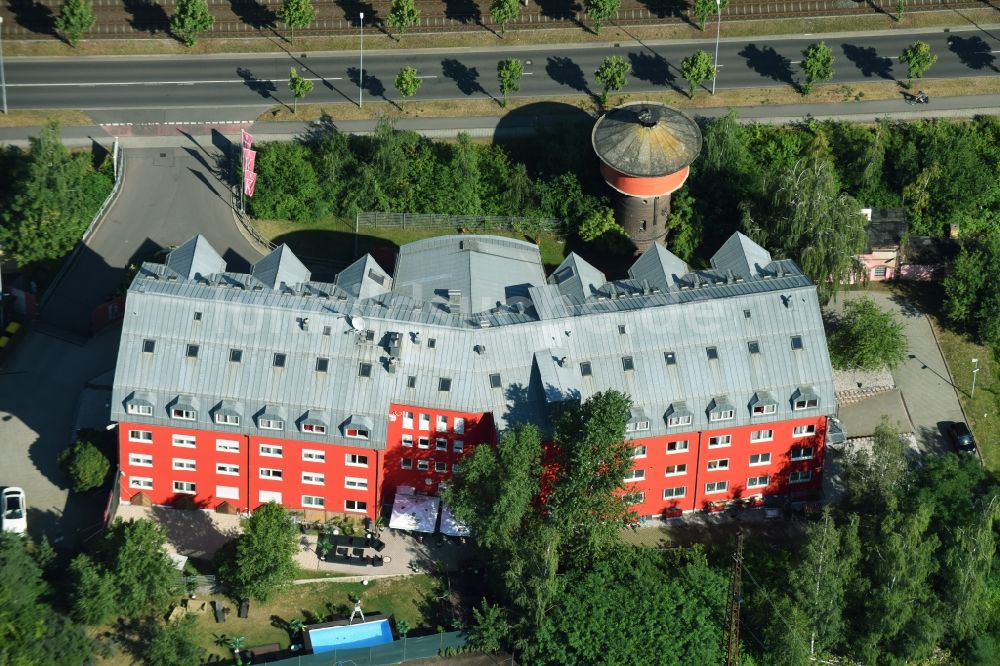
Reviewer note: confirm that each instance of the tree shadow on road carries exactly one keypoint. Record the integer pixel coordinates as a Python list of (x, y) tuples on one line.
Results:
[(372, 84), (466, 78), (769, 63), (565, 72), (654, 69), (973, 51), (262, 87), (868, 61)]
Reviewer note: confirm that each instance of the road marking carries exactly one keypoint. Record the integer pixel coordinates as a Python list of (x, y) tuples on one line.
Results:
[(429, 76), (157, 83), (529, 73)]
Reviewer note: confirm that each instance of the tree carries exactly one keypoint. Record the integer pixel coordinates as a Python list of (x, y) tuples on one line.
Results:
[(601, 228), (613, 75), (867, 337), (874, 477), (509, 73), (490, 629), (403, 14), (900, 9), (404, 627), (262, 559), (191, 19), (696, 69), (918, 59), (702, 9), (600, 11), (407, 82), (92, 594), (288, 187), (86, 466), (971, 301), (75, 19), (300, 87), (145, 577), (172, 644), (817, 63), (503, 12), (296, 14)]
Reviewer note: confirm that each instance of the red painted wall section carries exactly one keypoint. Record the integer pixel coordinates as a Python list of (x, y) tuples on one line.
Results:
[(644, 186), (405, 452)]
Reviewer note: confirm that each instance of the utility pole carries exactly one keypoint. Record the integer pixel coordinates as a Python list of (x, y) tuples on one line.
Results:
[(718, 32), (361, 69), (733, 606), (975, 371)]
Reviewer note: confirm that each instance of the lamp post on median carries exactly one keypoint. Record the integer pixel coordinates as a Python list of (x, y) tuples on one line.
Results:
[(718, 31), (3, 81), (361, 70), (975, 371)]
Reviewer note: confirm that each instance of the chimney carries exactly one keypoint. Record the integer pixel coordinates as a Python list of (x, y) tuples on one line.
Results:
[(953, 231)]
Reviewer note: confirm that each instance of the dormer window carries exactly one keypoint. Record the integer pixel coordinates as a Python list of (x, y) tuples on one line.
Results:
[(139, 408), (760, 410), (806, 403), (314, 428), (356, 433), (223, 418), (183, 413), (270, 424)]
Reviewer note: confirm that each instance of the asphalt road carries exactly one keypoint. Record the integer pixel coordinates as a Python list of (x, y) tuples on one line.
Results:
[(232, 86)]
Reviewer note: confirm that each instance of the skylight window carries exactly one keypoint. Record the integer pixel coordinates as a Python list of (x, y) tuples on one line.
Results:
[(713, 353), (621, 329), (411, 381), (365, 370), (495, 380), (670, 357), (796, 342), (431, 343), (754, 347), (192, 351), (627, 363), (585, 369), (149, 346), (235, 355), (322, 364), (444, 384), (279, 361)]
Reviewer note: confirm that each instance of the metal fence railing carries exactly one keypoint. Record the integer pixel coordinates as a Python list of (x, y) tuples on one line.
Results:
[(470, 223), (397, 652)]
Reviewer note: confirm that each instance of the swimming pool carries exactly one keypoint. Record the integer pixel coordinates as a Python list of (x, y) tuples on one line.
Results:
[(363, 634)]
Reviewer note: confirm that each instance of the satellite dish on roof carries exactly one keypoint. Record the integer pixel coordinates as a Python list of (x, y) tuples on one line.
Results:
[(357, 323)]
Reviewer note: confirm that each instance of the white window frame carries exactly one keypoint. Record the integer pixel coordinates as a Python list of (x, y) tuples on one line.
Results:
[(765, 409), (677, 492), (356, 433), (424, 422), (677, 421), (359, 506), (766, 435), (313, 501), (807, 430), (800, 476), (441, 424), (227, 469), (423, 465), (639, 452), (423, 443), (314, 428), (355, 483), (802, 456), (458, 446), (440, 444), (440, 467), (762, 459), (184, 441), (270, 424), (227, 445), (408, 420), (313, 478), (352, 460), (313, 455), (227, 492), (679, 469), (724, 415), (183, 414), (141, 436), (458, 425), (805, 403), (184, 465), (721, 441), (407, 440), (758, 481), (686, 446), (271, 450), (271, 473), (139, 410), (717, 465), (140, 459), (227, 419), (715, 487), (635, 475), (182, 487), (140, 482)]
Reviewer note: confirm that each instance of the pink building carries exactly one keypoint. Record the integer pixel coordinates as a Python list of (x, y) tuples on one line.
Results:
[(887, 229)]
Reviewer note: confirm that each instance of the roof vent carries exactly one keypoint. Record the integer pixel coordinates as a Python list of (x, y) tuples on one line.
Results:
[(484, 323), (646, 118), (479, 349)]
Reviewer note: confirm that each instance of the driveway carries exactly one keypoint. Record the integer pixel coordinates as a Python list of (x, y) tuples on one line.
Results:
[(928, 396)]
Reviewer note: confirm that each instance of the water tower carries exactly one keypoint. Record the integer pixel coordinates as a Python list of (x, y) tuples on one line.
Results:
[(645, 149)]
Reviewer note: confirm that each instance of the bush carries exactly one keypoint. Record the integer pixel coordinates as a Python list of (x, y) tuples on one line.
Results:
[(601, 229), (85, 465), (172, 644), (867, 337)]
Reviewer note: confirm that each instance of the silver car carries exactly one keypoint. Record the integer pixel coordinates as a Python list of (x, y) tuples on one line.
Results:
[(14, 515)]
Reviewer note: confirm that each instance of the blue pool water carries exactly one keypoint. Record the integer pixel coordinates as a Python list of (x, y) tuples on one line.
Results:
[(364, 634)]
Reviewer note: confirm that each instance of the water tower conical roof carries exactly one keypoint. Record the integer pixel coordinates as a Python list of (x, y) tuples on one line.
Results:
[(646, 139)]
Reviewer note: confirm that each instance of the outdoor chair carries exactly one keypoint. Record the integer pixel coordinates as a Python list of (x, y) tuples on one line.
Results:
[(378, 545), (244, 608), (358, 552), (220, 615), (377, 561), (341, 551)]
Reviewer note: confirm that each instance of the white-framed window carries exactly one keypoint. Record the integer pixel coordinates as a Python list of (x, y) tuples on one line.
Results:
[(313, 455), (635, 475), (270, 450), (407, 440), (636, 426), (408, 420), (721, 463), (227, 469), (141, 410), (185, 441), (406, 463), (227, 445), (719, 441), (227, 492), (314, 428), (185, 487), (760, 459), (458, 425), (440, 444), (270, 473), (441, 424), (140, 482), (184, 464), (266, 496), (423, 465), (637, 497), (355, 483), (804, 430), (313, 501), (356, 433), (425, 422), (440, 467), (758, 481), (716, 487), (355, 460), (801, 453), (458, 446), (674, 493), (227, 419), (140, 459), (639, 452), (761, 410), (801, 476), (724, 415), (805, 403), (762, 435), (677, 470), (313, 478), (678, 446), (423, 442), (355, 506), (144, 436), (675, 421), (183, 414)]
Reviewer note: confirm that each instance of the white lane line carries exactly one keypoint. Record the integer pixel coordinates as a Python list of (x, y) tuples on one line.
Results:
[(92, 84), (428, 76), (529, 73)]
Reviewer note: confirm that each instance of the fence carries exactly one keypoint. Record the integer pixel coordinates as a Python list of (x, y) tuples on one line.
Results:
[(470, 223), (397, 652)]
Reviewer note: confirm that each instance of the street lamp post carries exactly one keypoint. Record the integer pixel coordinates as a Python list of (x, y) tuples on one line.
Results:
[(975, 371), (3, 81), (361, 71), (718, 31)]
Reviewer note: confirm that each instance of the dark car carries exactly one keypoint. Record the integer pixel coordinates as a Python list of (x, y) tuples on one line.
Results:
[(961, 437)]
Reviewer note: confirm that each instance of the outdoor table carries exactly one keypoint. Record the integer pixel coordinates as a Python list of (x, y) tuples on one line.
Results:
[(358, 552)]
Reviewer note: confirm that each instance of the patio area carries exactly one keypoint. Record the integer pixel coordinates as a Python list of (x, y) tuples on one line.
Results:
[(404, 553)]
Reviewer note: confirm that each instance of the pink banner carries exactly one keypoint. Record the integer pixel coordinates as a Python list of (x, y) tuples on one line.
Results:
[(249, 180), (247, 138), (249, 159)]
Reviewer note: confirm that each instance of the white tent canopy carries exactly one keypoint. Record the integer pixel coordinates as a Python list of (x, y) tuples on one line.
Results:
[(450, 526), (414, 513)]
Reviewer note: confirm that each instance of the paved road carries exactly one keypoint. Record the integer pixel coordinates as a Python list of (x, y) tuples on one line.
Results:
[(234, 86)]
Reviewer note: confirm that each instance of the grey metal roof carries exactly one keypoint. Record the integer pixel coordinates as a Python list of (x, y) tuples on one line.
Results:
[(742, 256), (281, 267), (658, 267), (237, 312), (576, 277), (646, 139), (195, 258), (364, 278)]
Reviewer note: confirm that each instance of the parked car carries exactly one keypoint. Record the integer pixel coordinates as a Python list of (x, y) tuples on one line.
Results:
[(961, 437), (14, 514)]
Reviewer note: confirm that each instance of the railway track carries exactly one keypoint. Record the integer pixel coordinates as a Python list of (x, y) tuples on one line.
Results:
[(116, 19)]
